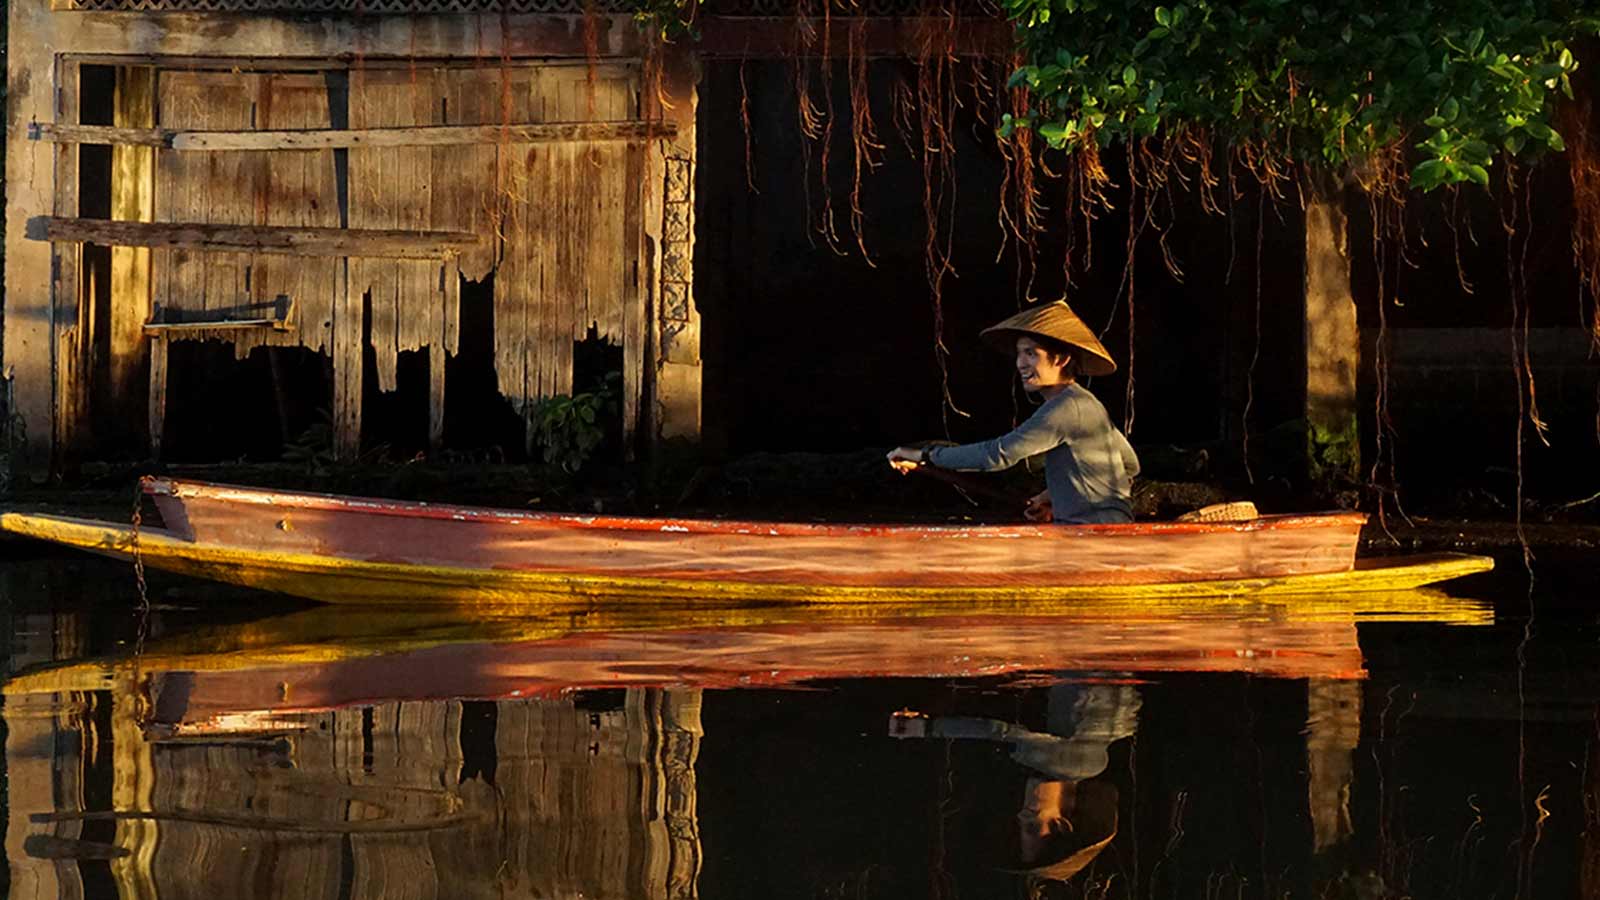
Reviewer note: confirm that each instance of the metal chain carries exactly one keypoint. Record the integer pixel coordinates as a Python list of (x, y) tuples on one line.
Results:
[(138, 556), (144, 707)]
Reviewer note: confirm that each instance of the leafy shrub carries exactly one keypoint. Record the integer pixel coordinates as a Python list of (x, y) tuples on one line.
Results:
[(569, 429)]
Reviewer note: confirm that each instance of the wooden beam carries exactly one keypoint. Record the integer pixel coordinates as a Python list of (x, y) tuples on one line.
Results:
[(349, 346), (133, 184), (158, 394), (624, 131), (66, 288), (63, 133), (178, 328), (389, 244), (346, 61)]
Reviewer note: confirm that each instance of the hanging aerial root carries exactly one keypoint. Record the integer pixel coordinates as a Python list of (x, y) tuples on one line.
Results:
[(1020, 209), (829, 232), (1512, 223), (805, 36), (1453, 218), (744, 119), (865, 146), (1384, 180), (935, 106)]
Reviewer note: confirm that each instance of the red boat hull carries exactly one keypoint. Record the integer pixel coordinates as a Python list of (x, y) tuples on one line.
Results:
[(909, 556)]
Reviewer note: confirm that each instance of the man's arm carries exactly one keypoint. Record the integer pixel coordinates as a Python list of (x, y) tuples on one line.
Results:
[(1040, 433)]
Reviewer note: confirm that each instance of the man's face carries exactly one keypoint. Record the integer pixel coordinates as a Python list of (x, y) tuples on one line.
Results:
[(1038, 367)]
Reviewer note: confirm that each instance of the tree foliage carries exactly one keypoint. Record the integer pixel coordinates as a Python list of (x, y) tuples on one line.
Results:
[(1334, 82)]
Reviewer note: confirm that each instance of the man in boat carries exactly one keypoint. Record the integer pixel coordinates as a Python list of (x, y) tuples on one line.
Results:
[(1089, 465)]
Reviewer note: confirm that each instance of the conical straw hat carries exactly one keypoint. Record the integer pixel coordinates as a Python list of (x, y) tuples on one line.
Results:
[(1053, 320)]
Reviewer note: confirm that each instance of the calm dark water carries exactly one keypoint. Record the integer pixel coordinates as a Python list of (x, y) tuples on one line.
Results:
[(234, 744)]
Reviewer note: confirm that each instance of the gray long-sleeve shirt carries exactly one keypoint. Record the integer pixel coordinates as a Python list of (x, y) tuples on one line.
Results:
[(1088, 464)]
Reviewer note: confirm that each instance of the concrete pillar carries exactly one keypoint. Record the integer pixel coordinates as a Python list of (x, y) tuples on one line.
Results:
[(677, 382), (1333, 342)]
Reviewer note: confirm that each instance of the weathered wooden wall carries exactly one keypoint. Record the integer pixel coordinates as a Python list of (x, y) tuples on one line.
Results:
[(236, 73)]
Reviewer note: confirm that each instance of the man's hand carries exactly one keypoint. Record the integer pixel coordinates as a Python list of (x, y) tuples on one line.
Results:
[(1039, 508), (904, 459)]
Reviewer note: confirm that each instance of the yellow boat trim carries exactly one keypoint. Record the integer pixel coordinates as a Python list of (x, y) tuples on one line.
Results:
[(333, 579)]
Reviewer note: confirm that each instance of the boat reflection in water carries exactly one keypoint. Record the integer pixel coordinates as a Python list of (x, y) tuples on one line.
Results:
[(557, 751)]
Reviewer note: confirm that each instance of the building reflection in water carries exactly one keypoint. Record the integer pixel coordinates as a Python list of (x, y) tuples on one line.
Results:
[(590, 796), (318, 755)]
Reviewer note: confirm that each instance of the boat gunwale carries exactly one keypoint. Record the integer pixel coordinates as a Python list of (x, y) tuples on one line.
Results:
[(158, 546), (420, 509)]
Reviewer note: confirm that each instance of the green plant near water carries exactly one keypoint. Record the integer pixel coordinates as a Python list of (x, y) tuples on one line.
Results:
[(1334, 452), (569, 429)]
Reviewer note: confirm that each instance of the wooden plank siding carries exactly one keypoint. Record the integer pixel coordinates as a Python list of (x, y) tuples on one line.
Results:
[(240, 205), (46, 43), (301, 192), (569, 255), (390, 188)]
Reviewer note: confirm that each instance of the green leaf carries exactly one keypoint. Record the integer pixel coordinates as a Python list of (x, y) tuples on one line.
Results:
[(1434, 121), (1428, 174), (1163, 16), (1450, 110), (1129, 75), (1476, 173), (1475, 151), (1473, 40), (1555, 142), (1513, 144)]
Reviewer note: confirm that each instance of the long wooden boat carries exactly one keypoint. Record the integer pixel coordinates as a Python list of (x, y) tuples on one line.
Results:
[(354, 549)]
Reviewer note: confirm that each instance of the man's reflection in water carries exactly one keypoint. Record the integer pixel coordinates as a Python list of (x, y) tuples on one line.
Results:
[(1068, 813)]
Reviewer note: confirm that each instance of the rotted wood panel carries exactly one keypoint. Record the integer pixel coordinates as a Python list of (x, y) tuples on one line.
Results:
[(391, 187), (301, 191), (466, 195), (568, 258), (212, 188)]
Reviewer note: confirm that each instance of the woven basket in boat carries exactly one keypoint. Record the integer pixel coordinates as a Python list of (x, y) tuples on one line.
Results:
[(1238, 511)]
